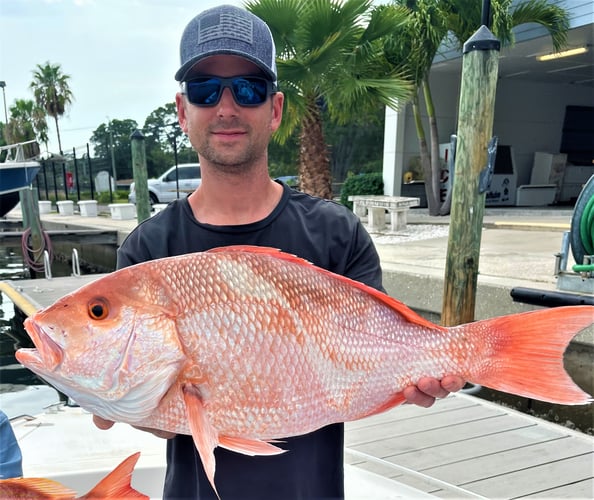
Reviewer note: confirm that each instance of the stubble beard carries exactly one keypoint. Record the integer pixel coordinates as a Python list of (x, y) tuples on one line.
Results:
[(232, 159)]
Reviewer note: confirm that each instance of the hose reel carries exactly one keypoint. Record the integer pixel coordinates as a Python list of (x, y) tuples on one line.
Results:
[(581, 235)]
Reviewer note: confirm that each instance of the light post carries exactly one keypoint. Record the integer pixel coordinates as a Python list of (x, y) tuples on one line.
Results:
[(113, 165), (3, 84)]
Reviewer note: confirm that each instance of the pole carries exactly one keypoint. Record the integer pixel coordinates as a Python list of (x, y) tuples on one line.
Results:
[(113, 165), (143, 206), (3, 85), (89, 164), (475, 125)]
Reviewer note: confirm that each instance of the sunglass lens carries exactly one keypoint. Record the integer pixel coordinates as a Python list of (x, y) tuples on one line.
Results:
[(249, 91), (204, 92)]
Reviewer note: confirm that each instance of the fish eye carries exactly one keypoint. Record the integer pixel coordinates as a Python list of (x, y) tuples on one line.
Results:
[(98, 309)]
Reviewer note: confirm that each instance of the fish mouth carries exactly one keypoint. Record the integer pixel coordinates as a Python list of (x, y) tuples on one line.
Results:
[(47, 355)]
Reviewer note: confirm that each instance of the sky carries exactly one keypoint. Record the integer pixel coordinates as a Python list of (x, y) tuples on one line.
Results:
[(121, 56)]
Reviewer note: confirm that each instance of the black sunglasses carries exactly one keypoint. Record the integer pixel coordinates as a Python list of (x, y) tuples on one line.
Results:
[(247, 90)]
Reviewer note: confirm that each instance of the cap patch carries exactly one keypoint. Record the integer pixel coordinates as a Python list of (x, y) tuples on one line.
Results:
[(225, 25)]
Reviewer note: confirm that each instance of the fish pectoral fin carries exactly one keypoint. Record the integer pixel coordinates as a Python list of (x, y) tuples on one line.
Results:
[(249, 447), (205, 436)]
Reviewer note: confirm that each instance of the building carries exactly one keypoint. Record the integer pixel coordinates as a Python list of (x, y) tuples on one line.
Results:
[(540, 107)]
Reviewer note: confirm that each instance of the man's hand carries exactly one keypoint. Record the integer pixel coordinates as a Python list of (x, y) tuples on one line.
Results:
[(429, 389), (103, 424)]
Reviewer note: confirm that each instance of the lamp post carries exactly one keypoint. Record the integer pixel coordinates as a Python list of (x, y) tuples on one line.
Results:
[(3, 84)]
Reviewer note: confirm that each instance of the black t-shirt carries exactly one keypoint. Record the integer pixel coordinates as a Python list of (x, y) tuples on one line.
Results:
[(328, 235)]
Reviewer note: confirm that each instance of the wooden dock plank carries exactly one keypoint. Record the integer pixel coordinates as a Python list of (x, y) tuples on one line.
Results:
[(492, 451), (497, 441), (423, 423), (582, 489), (525, 458), (536, 479), (395, 443)]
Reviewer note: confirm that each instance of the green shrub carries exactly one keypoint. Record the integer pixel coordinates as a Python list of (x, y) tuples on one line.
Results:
[(361, 184)]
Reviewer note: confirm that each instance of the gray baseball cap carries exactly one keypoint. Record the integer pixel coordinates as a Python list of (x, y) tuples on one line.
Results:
[(227, 30)]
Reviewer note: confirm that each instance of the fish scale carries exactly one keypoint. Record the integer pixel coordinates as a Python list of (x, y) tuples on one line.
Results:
[(242, 346)]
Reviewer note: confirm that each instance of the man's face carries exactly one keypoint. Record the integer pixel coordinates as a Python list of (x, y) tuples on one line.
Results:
[(227, 136)]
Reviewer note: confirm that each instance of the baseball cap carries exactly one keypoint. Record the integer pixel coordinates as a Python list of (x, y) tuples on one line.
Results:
[(227, 29)]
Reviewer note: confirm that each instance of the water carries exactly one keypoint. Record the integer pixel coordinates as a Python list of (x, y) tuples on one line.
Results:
[(13, 376)]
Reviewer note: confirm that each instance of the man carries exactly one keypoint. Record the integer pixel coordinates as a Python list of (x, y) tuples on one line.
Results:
[(11, 460), (229, 106)]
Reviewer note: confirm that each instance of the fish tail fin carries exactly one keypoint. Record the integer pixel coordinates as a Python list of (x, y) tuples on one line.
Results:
[(526, 355), (117, 483)]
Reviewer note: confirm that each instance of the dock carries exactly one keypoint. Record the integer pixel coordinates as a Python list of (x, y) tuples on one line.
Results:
[(78, 236), (461, 447), (466, 447), (33, 294)]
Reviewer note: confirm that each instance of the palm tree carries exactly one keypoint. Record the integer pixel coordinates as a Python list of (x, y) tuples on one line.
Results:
[(434, 21), (330, 59), (27, 122), (52, 92)]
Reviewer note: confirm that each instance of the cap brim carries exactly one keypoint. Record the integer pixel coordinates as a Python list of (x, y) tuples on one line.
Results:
[(183, 71)]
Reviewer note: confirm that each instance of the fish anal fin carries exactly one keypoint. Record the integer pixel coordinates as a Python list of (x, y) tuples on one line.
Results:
[(205, 436), (117, 483), (395, 400), (391, 302), (249, 447)]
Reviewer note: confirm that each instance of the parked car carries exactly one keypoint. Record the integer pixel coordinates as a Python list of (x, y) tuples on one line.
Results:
[(164, 188)]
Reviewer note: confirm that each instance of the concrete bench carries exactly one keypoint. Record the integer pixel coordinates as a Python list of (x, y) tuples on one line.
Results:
[(376, 206)]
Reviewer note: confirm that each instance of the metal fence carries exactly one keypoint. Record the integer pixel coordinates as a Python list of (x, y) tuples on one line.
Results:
[(74, 177)]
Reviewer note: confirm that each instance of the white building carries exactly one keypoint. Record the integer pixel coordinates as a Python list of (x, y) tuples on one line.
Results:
[(540, 107)]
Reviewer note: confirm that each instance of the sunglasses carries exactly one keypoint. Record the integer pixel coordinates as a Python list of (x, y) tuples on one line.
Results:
[(247, 90)]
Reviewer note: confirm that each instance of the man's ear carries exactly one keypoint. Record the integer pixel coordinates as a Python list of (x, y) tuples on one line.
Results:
[(277, 110), (180, 103)]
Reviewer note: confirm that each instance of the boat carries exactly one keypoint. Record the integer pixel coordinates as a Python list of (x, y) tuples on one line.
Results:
[(17, 172)]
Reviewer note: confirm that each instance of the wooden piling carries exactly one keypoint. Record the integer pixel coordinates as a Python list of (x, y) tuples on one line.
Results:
[(143, 206), (475, 125), (32, 223)]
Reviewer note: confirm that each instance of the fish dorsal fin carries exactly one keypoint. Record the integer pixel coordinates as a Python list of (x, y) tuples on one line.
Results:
[(391, 302), (117, 483), (35, 487)]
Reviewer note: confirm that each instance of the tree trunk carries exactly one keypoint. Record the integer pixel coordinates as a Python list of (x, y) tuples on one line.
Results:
[(58, 133), (314, 163), (434, 154), (432, 200)]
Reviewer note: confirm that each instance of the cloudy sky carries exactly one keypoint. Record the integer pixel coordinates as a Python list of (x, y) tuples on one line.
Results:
[(121, 55)]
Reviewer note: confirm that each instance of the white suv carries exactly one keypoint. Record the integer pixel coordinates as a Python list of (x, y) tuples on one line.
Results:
[(163, 189)]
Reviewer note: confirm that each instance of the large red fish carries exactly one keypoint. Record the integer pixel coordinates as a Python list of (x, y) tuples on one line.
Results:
[(115, 485), (241, 346)]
